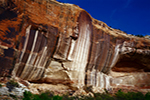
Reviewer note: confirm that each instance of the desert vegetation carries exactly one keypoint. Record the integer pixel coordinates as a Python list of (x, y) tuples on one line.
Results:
[(96, 96)]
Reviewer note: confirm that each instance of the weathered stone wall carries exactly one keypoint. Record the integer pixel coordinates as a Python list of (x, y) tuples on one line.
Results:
[(57, 43)]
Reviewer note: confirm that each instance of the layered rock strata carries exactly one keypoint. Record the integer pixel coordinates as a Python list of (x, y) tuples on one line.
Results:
[(56, 43)]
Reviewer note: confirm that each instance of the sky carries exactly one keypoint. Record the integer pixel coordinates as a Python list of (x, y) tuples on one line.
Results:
[(130, 16)]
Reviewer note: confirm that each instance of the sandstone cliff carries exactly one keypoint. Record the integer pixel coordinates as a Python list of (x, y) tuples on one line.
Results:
[(56, 43)]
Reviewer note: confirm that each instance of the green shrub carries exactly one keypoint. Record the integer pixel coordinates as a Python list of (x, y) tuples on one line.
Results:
[(97, 96), (139, 35), (14, 83), (103, 96), (43, 96), (57, 97), (1, 85), (147, 96), (121, 95), (132, 96), (28, 95), (13, 96), (11, 84)]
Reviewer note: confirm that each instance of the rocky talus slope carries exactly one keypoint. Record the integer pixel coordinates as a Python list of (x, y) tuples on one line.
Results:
[(44, 41)]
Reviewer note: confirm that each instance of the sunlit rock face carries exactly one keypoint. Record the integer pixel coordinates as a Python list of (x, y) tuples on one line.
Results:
[(72, 53), (37, 49), (51, 42)]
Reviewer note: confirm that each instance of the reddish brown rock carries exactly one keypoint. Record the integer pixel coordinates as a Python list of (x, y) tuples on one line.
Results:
[(50, 42)]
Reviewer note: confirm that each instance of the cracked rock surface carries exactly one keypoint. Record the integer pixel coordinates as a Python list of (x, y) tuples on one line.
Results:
[(44, 41)]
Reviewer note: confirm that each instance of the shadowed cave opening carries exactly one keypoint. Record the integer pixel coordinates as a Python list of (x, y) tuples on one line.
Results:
[(127, 64)]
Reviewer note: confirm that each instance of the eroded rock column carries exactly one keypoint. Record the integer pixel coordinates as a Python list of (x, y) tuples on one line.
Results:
[(35, 53), (72, 53)]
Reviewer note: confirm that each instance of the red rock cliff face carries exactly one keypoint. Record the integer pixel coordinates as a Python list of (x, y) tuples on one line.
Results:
[(52, 42)]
